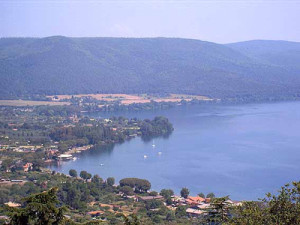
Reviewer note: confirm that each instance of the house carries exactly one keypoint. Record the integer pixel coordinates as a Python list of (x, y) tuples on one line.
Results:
[(147, 198), (134, 197), (12, 204), (195, 212), (233, 203), (207, 200), (27, 167), (194, 201), (204, 206)]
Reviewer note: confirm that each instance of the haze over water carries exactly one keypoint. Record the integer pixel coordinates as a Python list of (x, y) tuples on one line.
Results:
[(243, 150)]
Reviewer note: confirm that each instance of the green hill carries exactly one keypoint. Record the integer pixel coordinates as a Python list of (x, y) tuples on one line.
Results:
[(61, 65), (283, 53)]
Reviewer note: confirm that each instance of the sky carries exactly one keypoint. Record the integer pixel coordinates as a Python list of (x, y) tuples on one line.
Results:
[(221, 21)]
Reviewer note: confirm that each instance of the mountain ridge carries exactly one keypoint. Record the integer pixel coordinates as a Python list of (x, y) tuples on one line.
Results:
[(63, 65)]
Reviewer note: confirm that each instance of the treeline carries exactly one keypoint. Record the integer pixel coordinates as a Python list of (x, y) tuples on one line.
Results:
[(158, 126), (96, 134), (47, 205), (139, 185), (55, 110), (117, 131)]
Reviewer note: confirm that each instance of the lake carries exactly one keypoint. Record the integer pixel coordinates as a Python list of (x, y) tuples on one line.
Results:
[(239, 150)]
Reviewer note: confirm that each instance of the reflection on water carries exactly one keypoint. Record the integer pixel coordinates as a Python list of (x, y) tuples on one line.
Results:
[(148, 139), (243, 150)]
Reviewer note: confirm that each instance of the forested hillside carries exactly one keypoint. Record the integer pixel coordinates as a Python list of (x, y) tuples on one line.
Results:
[(61, 65)]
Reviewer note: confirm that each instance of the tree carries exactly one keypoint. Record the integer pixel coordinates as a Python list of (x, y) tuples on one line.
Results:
[(153, 193), (201, 195), (40, 209), (169, 201), (170, 216), (153, 204), (181, 211), (131, 220), (73, 173), (6, 163), (219, 211), (184, 192), (140, 185), (128, 191), (85, 175), (210, 195), (283, 208), (97, 179), (110, 181), (166, 193)]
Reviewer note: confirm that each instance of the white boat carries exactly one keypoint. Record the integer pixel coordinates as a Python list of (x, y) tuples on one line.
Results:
[(153, 145), (145, 156), (159, 153), (101, 164)]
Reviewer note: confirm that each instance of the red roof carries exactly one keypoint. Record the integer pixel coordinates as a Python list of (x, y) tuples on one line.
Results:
[(196, 199)]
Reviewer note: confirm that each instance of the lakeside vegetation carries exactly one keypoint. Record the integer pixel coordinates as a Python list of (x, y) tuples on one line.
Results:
[(39, 135), (52, 198)]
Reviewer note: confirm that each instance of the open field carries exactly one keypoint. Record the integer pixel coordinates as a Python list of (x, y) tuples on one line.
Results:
[(29, 103), (130, 99)]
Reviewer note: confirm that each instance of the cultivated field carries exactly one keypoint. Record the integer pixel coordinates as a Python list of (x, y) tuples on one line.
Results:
[(130, 99), (29, 103)]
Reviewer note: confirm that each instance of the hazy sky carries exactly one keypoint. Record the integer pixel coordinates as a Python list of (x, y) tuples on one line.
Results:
[(217, 21)]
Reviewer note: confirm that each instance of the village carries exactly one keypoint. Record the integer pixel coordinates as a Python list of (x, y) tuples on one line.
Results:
[(128, 203)]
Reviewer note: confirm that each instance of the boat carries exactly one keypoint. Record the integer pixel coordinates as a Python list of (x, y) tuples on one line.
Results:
[(153, 145), (64, 157), (145, 156), (101, 164), (159, 153)]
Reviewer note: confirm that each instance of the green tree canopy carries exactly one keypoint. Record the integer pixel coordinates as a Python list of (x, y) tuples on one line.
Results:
[(140, 185), (127, 190), (166, 193), (184, 192), (201, 195), (73, 173), (110, 181), (85, 175), (283, 208), (40, 209), (210, 195)]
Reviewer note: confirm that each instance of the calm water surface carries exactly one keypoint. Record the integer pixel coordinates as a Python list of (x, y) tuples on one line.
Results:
[(243, 151)]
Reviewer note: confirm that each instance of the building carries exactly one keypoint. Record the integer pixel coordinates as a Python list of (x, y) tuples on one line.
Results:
[(12, 204), (147, 198), (194, 201), (195, 212), (27, 167)]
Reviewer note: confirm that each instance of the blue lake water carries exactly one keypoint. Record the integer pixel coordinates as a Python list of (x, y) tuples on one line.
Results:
[(243, 150)]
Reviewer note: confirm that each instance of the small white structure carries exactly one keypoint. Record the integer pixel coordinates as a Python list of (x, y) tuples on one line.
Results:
[(65, 157)]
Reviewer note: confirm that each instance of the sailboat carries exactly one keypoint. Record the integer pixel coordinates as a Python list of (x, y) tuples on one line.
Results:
[(153, 145)]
